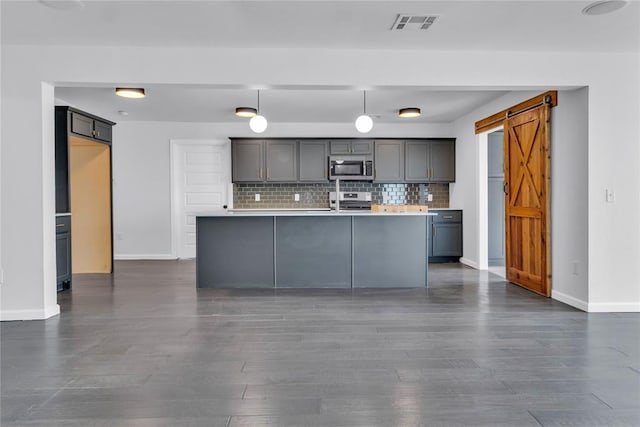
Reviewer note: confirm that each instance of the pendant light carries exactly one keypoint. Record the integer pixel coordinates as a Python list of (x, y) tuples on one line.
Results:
[(364, 123), (258, 123)]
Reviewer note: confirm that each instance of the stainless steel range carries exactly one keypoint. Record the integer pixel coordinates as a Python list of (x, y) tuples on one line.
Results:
[(351, 200)]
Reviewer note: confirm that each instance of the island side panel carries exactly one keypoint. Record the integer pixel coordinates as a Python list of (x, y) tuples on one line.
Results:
[(389, 251), (234, 252), (313, 252)]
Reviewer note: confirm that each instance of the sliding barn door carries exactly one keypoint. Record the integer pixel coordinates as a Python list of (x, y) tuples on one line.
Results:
[(527, 214)]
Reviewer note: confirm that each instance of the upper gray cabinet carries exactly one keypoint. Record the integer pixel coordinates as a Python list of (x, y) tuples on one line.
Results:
[(313, 161), (255, 160), (281, 161), (306, 160), (389, 160), (353, 146), (432, 160), (90, 127), (247, 160), (443, 161)]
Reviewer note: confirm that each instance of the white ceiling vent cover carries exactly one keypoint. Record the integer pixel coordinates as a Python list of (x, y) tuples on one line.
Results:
[(413, 22)]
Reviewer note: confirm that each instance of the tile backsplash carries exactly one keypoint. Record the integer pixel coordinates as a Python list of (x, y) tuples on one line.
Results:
[(317, 195)]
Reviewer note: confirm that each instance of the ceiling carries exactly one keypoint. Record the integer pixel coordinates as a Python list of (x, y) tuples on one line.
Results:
[(205, 104), (507, 25)]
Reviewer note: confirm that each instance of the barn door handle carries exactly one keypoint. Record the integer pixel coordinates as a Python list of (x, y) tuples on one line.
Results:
[(505, 188)]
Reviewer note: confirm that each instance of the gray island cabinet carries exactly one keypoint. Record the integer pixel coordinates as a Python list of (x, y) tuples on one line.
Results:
[(311, 250)]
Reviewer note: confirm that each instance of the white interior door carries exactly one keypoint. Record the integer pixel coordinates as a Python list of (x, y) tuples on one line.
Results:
[(201, 181)]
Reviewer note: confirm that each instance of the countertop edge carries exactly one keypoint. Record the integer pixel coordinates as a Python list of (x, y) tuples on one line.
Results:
[(308, 214)]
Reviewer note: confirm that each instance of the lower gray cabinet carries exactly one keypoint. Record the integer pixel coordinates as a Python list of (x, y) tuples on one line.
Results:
[(63, 252), (446, 236)]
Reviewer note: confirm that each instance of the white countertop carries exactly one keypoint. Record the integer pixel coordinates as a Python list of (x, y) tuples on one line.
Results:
[(305, 212)]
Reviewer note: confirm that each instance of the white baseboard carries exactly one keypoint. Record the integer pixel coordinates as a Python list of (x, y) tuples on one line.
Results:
[(470, 263), (569, 300), (123, 257), (614, 307), (45, 313)]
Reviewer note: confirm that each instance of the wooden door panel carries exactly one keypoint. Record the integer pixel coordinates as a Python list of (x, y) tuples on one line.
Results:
[(526, 202)]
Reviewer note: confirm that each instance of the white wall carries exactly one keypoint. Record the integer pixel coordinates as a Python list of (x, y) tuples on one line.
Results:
[(570, 198), (613, 110), (141, 172)]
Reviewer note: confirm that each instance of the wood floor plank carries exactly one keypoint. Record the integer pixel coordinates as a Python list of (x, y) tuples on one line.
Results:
[(144, 347)]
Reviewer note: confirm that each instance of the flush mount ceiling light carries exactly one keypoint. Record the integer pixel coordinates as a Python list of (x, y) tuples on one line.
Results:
[(63, 4), (364, 123), (130, 92), (604, 7), (246, 112), (258, 123), (410, 112)]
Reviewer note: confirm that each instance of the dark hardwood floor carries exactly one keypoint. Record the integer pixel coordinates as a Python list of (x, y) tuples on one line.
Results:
[(144, 347)]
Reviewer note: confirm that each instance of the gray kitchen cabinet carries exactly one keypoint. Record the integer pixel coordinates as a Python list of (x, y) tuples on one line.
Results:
[(63, 252), (313, 161), (247, 162), (259, 160), (416, 161), (446, 236), (91, 127), (389, 160), (281, 161), (442, 161), (354, 146), (431, 160)]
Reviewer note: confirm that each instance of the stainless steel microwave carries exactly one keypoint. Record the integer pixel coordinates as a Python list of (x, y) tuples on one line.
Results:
[(351, 167)]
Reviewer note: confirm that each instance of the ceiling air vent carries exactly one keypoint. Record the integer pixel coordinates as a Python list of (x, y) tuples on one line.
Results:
[(413, 22)]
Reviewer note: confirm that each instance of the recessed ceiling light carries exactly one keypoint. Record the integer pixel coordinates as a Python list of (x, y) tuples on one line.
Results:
[(246, 112), (409, 112), (604, 7), (63, 4), (130, 92)]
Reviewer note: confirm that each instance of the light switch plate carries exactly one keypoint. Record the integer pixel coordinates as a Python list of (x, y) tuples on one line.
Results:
[(429, 197), (296, 197), (257, 197)]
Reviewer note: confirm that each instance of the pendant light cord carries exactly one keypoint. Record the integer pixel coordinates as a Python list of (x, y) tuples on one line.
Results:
[(258, 101), (364, 97)]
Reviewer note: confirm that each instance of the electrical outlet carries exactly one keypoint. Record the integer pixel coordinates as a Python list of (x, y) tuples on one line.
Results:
[(610, 195), (257, 197), (575, 268), (429, 197), (296, 197)]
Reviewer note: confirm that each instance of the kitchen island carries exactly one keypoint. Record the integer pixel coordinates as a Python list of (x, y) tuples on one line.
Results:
[(311, 249)]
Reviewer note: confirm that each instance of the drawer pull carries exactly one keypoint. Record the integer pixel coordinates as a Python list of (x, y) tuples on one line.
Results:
[(59, 225), (447, 217)]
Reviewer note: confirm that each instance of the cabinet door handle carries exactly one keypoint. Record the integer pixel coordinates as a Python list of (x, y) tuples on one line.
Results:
[(267, 173), (434, 230), (260, 173)]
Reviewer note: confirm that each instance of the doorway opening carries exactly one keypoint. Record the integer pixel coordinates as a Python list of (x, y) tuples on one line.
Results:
[(495, 203)]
